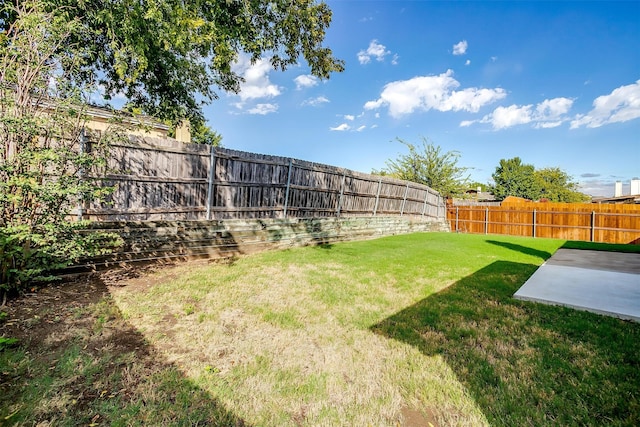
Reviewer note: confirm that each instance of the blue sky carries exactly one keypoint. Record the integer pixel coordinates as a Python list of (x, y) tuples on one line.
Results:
[(554, 83)]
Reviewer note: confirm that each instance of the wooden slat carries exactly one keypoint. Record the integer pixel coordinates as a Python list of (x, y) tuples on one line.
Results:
[(570, 221), (164, 177)]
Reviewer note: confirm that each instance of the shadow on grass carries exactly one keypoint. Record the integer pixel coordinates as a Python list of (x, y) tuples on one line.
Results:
[(526, 363), (80, 363), (544, 255), (632, 247)]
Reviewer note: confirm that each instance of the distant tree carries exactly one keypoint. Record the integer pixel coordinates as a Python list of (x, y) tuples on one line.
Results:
[(200, 134), (429, 165), (557, 186), (514, 178), (475, 185), (168, 57), (203, 134)]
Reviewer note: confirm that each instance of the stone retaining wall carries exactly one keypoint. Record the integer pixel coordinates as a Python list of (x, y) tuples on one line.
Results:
[(148, 241)]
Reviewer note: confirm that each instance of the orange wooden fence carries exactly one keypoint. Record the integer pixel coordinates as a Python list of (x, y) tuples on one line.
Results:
[(605, 223)]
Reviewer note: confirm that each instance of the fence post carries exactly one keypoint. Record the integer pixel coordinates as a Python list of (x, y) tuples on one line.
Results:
[(534, 223), (404, 200), (344, 177), (424, 207), (212, 177), (457, 227), (375, 208), (286, 193), (593, 225), (81, 172), (486, 220)]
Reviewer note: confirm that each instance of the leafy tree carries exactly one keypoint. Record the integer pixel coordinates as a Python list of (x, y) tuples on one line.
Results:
[(514, 178), (430, 166), (475, 185), (200, 134), (166, 56), (43, 171), (203, 134), (557, 186)]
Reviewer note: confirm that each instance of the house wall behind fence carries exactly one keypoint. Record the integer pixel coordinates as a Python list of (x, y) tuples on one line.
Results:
[(163, 179), (173, 240)]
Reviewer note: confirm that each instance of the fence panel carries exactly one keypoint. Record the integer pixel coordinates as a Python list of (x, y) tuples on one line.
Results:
[(569, 221), (162, 179), (153, 180)]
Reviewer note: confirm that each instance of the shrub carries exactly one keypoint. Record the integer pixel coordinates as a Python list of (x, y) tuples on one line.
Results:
[(44, 159)]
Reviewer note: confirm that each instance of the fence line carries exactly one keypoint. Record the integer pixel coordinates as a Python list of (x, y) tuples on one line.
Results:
[(162, 179), (587, 222)]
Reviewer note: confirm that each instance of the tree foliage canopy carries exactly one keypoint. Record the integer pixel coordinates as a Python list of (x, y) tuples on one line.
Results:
[(430, 166), (514, 178), (557, 186), (166, 56)]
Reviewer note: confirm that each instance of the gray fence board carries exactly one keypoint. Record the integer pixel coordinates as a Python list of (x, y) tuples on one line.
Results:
[(162, 179)]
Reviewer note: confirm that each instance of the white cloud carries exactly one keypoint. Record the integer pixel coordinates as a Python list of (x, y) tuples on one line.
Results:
[(471, 99), (263, 109), (257, 84), (315, 102), (361, 128), (548, 125), (460, 48), (341, 127), (432, 92), (504, 117), (349, 117), (375, 50), (553, 108), (394, 60), (549, 113), (621, 105), (467, 62), (305, 81)]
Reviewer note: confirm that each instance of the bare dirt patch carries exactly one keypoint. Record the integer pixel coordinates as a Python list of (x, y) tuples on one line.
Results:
[(413, 418)]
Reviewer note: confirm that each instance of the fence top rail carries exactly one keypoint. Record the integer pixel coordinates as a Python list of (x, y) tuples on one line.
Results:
[(160, 144), (317, 167)]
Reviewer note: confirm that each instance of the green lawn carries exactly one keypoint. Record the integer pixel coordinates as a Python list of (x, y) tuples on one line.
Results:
[(357, 333)]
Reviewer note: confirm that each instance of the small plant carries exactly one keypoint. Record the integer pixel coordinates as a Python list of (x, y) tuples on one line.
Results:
[(211, 369), (7, 342)]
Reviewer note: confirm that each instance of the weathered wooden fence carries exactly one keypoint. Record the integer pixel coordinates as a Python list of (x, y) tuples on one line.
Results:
[(162, 179), (571, 221)]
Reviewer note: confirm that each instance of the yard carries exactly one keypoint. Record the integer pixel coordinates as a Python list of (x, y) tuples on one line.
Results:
[(411, 330)]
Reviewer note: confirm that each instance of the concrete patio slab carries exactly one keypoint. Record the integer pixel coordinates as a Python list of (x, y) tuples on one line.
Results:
[(602, 282)]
